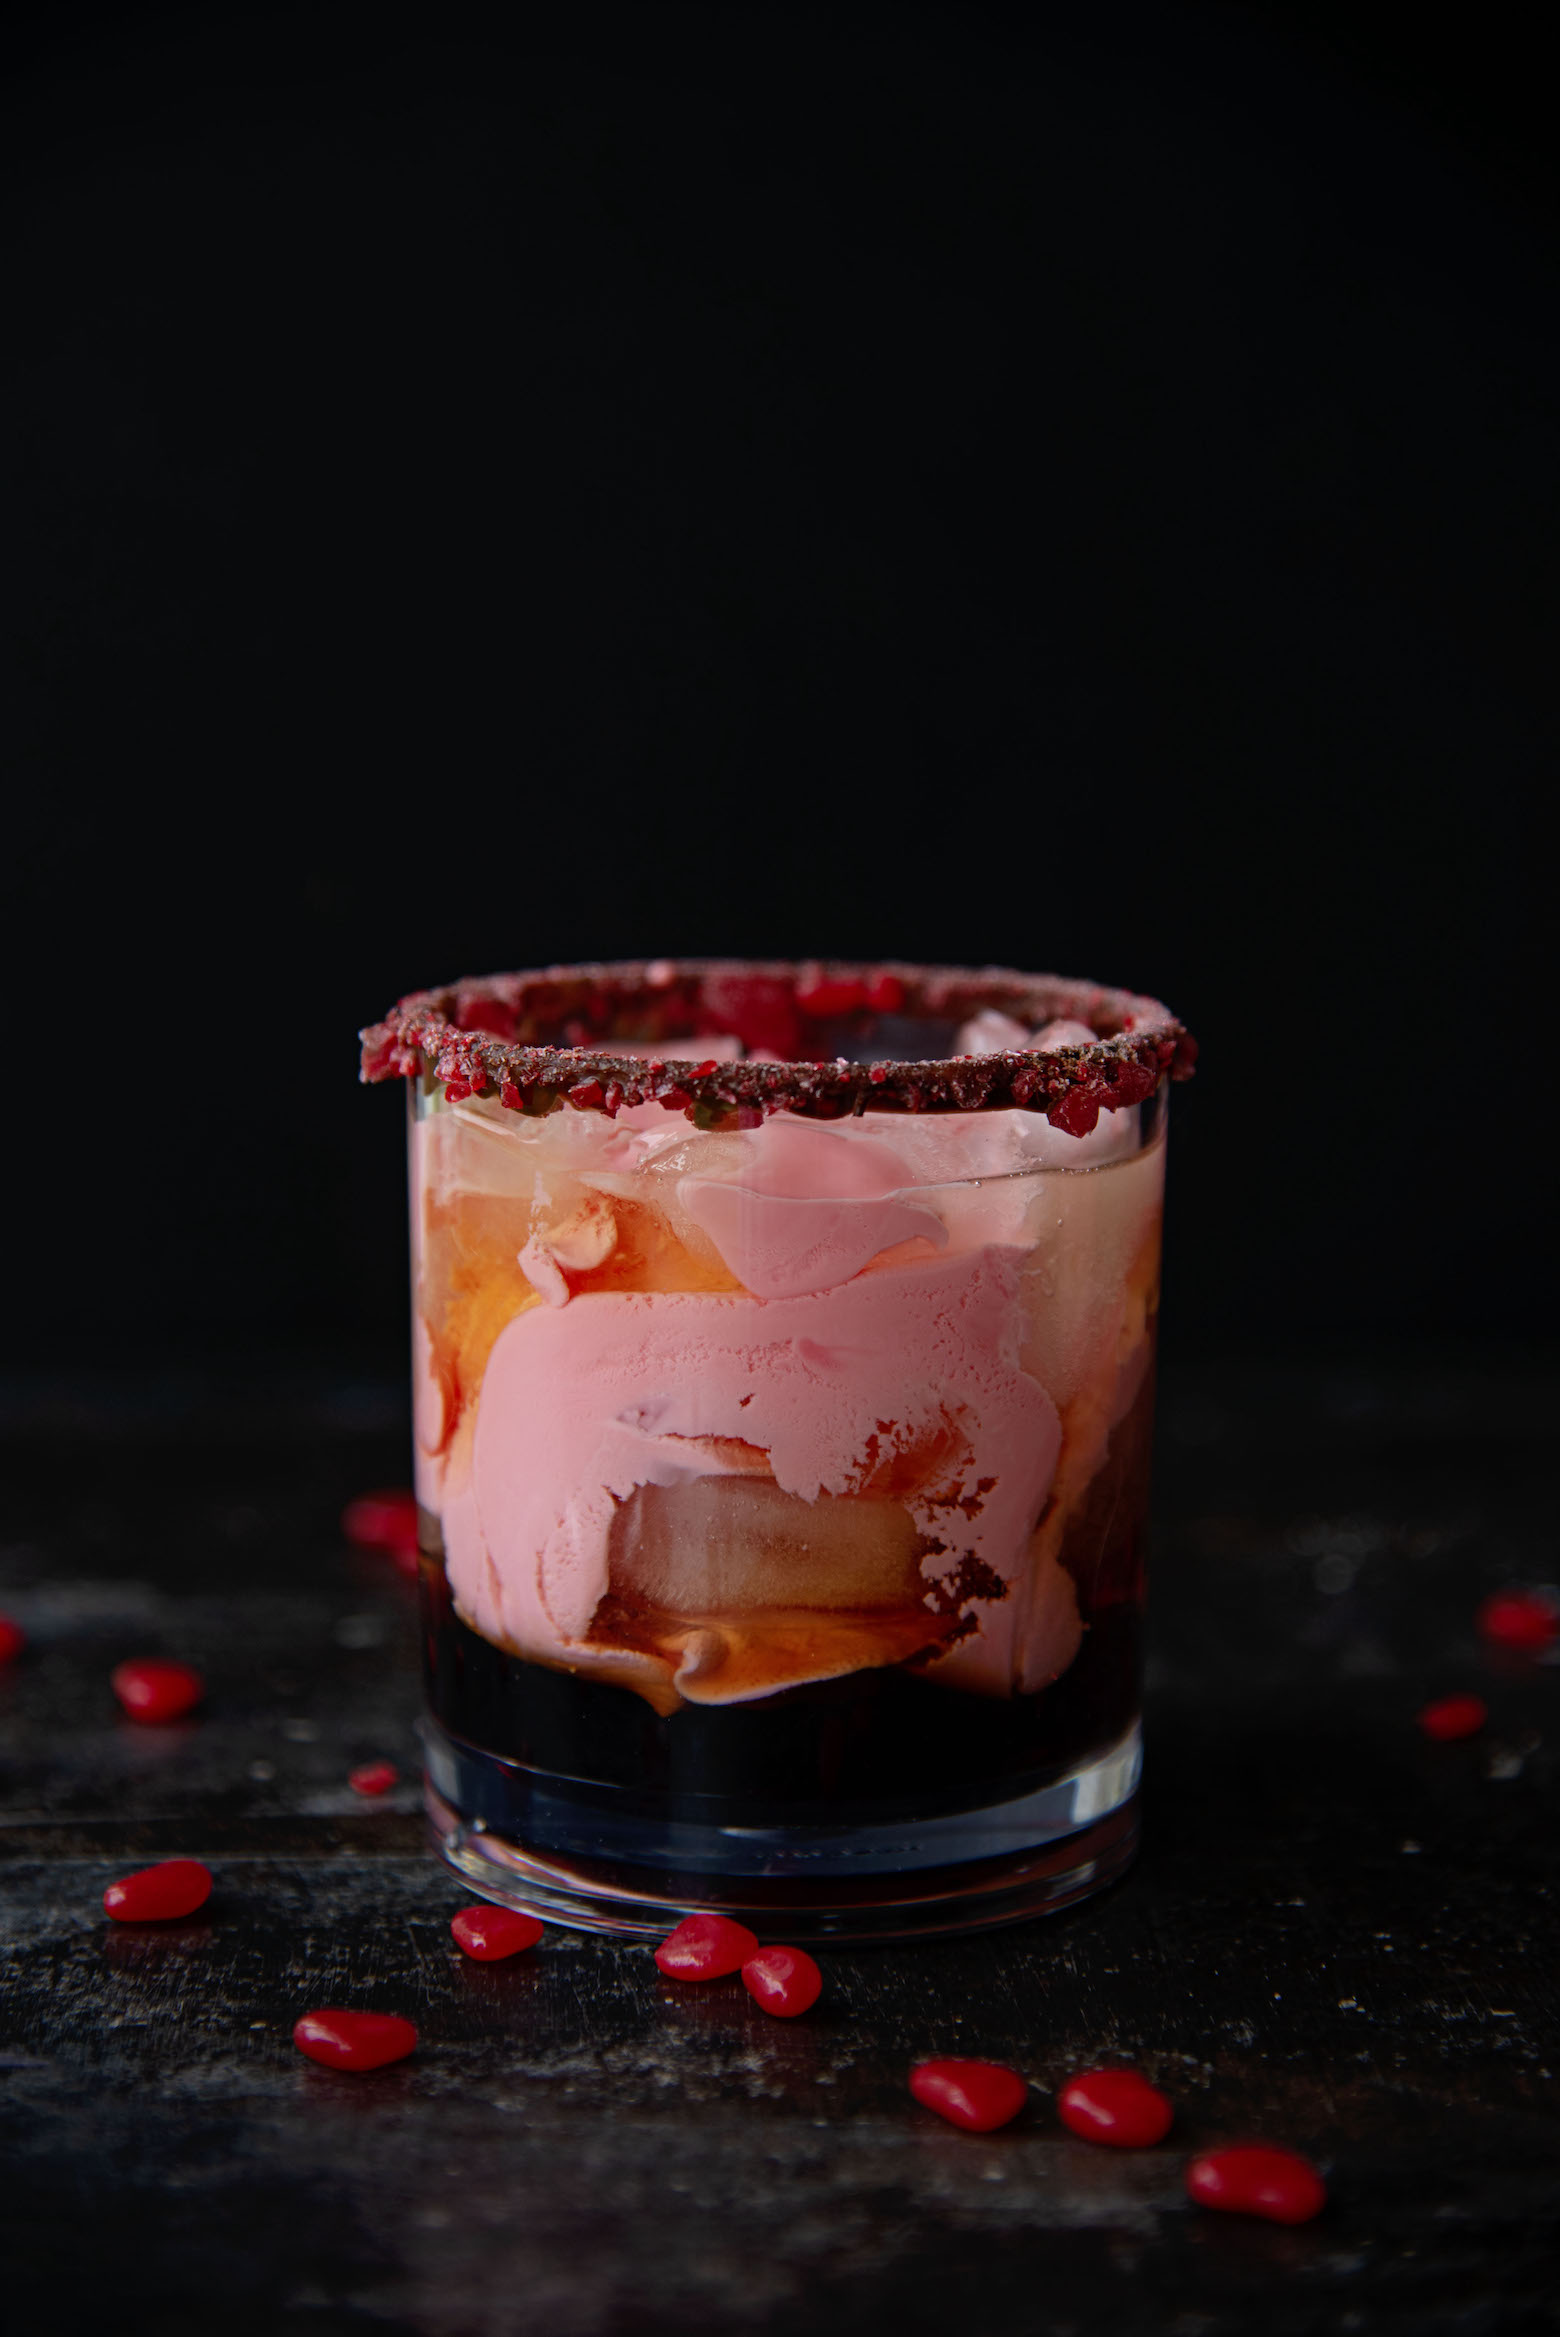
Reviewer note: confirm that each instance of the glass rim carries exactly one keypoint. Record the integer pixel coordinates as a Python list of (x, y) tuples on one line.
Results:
[(484, 1035)]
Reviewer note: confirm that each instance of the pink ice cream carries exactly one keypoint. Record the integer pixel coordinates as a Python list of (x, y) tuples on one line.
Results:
[(810, 1211), (855, 1459), (906, 1375)]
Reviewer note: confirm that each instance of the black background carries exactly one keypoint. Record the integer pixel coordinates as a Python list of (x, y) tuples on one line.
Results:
[(1072, 489)]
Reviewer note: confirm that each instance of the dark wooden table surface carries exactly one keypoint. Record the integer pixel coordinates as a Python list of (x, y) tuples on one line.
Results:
[(1338, 1935)]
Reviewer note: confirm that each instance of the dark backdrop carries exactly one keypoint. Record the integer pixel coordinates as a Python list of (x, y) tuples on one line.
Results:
[(1073, 488)]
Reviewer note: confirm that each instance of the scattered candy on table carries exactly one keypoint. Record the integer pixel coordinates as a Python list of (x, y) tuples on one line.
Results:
[(159, 1894), (152, 1689), (354, 2040), (977, 2095), (784, 1980), (1520, 1618), (374, 1777), (1256, 2178), (1115, 2106), (387, 1521), (487, 1934), (705, 1947), (1450, 1717)]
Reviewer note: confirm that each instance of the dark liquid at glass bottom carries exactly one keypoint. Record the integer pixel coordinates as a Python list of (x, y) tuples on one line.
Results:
[(874, 1745)]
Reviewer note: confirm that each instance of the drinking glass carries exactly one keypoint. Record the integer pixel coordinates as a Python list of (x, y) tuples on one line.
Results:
[(784, 1343)]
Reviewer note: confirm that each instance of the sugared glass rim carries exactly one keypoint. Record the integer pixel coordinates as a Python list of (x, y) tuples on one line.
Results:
[(484, 1037)]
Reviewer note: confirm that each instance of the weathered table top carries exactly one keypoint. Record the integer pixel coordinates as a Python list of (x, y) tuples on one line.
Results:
[(1338, 1935)]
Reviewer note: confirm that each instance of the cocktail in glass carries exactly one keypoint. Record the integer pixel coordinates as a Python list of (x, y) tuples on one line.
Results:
[(784, 1378)]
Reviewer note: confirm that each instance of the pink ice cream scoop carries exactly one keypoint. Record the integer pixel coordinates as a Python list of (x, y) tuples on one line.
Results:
[(584, 1404), (809, 1210)]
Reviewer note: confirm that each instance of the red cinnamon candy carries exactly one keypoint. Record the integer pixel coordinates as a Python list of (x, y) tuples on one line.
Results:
[(822, 998), (160, 1893), (1115, 2106), (1257, 2178), (705, 1947), (977, 2095), (378, 1521), (488, 1934), (1519, 1618), (784, 1980), (373, 1777), (12, 1639), (1451, 1717), (338, 2039), (387, 1521), (152, 1690)]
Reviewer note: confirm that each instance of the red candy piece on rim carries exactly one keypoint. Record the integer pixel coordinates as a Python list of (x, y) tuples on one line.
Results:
[(977, 2095), (12, 1639), (1255, 2178), (785, 1981), (1451, 1717), (489, 1933), (159, 1894), (374, 1777), (1115, 2106), (823, 997), (705, 1947), (152, 1690), (354, 2040), (1519, 1618)]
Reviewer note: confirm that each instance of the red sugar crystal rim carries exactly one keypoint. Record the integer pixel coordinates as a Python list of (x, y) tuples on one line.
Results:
[(538, 1041)]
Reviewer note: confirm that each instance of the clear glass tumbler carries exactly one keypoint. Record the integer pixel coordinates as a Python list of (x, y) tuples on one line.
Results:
[(784, 1346)]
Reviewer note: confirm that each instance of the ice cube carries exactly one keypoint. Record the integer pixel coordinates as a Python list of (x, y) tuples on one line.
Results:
[(720, 1048), (990, 1033), (1062, 1033), (1089, 1235), (718, 1545)]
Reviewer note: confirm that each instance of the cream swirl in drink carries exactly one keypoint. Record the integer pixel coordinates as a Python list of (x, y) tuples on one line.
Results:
[(772, 1406)]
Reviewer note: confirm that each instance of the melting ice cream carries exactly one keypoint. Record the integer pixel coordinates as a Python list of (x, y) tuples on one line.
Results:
[(842, 1432)]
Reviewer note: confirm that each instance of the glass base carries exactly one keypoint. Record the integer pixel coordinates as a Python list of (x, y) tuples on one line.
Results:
[(600, 1867)]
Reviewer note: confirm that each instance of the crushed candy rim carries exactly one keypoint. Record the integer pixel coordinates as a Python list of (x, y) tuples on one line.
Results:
[(482, 1037)]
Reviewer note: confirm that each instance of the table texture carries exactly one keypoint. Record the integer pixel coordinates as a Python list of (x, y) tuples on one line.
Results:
[(1338, 1936)]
